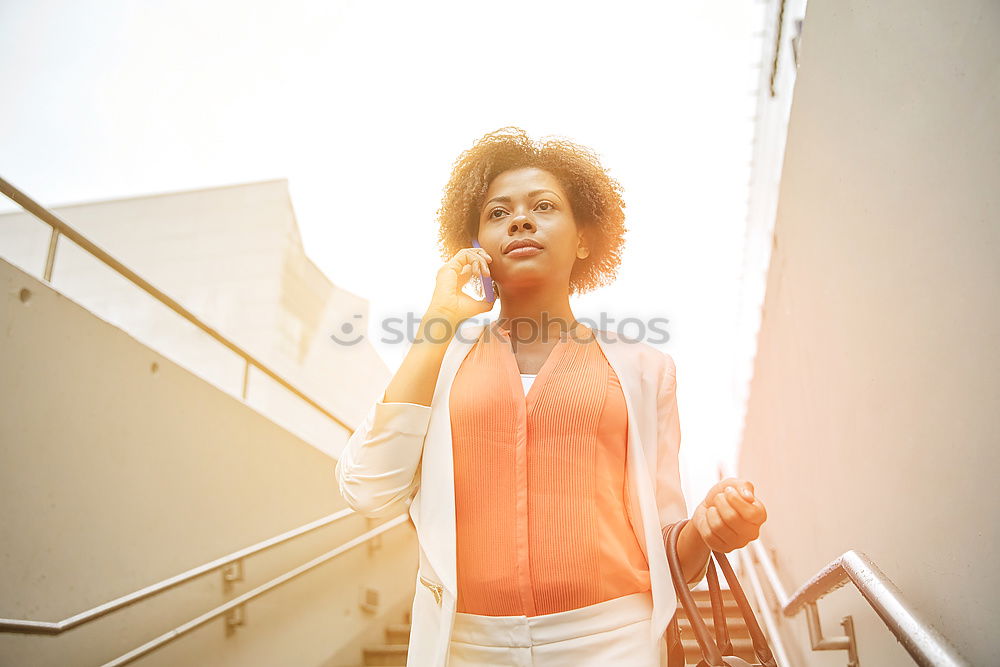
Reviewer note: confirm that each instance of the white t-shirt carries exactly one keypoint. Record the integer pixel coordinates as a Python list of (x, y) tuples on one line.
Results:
[(526, 380)]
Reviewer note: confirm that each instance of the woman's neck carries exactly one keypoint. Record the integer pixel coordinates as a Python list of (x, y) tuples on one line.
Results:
[(551, 310)]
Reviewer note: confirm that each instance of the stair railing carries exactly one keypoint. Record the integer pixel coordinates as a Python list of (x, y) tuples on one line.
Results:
[(922, 641), (232, 570), (770, 623), (919, 638), (231, 564), (230, 607), (60, 228)]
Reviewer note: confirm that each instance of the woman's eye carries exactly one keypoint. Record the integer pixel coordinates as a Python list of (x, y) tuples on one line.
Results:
[(549, 204)]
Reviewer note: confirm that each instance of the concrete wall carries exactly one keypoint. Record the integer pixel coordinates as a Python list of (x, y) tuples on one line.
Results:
[(121, 468), (234, 257), (873, 415), (770, 132)]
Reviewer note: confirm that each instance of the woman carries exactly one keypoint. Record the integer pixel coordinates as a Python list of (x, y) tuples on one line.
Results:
[(540, 454)]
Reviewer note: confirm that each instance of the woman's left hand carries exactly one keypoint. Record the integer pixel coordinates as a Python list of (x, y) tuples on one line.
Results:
[(731, 515)]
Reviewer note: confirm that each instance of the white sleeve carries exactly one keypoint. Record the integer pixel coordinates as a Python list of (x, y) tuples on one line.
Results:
[(377, 471), (669, 494)]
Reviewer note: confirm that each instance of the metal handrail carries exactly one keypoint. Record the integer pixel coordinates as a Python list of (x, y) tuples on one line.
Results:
[(56, 628), (60, 227), (180, 630), (777, 645), (921, 640)]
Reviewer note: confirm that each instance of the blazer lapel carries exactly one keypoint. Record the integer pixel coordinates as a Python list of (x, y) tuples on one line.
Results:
[(437, 482)]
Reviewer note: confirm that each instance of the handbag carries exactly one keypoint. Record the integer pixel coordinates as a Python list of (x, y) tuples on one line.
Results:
[(716, 653)]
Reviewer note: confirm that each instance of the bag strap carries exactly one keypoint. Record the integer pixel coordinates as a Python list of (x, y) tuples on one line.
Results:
[(710, 651), (760, 645), (718, 611)]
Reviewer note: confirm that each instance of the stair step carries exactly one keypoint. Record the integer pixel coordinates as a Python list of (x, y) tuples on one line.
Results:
[(385, 654), (706, 595), (742, 648), (398, 633), (737, 629), (706, 611)]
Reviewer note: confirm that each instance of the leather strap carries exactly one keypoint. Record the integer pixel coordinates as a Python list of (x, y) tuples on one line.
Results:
[(711, 653)]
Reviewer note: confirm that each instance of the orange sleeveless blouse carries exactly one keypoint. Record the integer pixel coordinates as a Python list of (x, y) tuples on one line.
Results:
[(541, 520)]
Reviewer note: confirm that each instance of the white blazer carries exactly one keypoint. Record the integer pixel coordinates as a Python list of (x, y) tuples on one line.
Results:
[(403, 451)]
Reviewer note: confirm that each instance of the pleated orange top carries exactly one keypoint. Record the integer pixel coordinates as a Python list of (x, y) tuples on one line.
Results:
[(541, 520)]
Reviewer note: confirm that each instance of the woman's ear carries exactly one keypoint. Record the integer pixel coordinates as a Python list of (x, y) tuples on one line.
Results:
[(583, 247)]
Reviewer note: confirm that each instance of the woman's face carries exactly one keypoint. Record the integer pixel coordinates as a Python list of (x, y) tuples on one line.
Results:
[(528, 203)]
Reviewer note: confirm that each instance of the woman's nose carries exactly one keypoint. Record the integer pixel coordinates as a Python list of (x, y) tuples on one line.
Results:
[(521, 221)]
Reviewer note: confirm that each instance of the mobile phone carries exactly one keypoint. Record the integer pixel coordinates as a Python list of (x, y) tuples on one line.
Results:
[(487, 282)]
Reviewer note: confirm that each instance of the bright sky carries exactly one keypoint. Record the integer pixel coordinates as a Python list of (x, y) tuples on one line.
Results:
[(364, 106)]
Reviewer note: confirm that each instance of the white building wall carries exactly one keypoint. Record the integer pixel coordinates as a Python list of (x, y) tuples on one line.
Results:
[(122, 469), (872, 419), (776, 87), (233, 256)]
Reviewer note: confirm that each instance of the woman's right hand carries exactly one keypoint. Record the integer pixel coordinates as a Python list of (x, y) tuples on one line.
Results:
[(449, 300)]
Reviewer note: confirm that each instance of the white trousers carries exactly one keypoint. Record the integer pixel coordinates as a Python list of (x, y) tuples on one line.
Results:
[(609, 633)]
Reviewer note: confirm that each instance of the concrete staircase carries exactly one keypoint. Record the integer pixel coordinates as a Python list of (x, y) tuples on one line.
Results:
[(393, 652), (397, 636), (739, 634)]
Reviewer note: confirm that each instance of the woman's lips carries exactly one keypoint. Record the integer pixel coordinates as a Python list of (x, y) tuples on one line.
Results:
[(524, 251)]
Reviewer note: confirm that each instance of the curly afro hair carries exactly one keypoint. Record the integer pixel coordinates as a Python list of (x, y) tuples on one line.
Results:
[(595, 197)]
